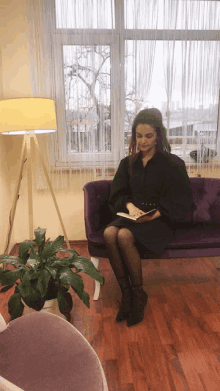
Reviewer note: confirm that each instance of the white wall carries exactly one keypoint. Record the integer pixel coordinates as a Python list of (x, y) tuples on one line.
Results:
[(14, 83)]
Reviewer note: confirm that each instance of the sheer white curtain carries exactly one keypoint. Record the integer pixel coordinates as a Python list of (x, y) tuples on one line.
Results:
[(104, 60)]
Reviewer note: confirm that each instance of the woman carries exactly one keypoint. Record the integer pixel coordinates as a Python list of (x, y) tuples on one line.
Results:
[(153, 178)]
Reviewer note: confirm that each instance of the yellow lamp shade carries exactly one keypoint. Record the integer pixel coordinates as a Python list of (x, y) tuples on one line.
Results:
[(23, 115)]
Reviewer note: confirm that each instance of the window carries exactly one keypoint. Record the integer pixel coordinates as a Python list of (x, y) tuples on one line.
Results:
[(121, 56)]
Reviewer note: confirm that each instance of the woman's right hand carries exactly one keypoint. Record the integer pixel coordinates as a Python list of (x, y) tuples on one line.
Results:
[(133, 210)]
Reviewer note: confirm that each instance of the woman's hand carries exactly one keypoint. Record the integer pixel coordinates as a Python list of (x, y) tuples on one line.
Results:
[(133, 210), (149, 217)]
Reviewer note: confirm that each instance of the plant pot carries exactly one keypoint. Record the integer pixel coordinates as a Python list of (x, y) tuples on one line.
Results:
[(50, 306)]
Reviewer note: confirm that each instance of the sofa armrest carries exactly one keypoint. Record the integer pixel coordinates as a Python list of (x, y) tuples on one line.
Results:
[(96, 210)]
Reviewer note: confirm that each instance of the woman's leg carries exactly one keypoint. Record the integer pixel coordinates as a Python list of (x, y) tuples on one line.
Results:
[(120, 271), (130, 254), (115, 259)]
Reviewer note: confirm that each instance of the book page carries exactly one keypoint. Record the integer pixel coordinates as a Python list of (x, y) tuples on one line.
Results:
[(127, 216)]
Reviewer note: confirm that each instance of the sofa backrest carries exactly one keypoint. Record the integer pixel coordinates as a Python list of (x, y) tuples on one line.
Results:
[(205, 192), (206, 200)]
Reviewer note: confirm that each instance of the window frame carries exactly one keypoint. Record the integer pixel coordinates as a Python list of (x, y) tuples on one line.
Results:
[(116, 40)]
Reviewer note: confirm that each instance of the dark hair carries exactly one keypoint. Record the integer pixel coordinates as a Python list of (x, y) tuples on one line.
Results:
[(151, 117)]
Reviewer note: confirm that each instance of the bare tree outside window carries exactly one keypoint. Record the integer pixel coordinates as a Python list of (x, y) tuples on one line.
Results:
[(87, 97)]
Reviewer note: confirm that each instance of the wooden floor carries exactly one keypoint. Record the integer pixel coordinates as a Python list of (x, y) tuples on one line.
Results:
[(176, 347)]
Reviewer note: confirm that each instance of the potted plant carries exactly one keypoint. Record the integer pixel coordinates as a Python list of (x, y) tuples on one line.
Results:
[(39, 275)]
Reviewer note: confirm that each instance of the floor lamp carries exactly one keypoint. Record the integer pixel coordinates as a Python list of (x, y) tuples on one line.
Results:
[(28, 117)]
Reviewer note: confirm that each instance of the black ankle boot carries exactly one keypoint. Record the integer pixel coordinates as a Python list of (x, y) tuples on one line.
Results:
[(139, 302), (126, 303)]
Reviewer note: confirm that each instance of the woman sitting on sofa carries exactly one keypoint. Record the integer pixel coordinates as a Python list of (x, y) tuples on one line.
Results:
[(149, 178)]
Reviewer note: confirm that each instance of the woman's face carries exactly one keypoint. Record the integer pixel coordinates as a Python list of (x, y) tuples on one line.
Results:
[(146, 137)]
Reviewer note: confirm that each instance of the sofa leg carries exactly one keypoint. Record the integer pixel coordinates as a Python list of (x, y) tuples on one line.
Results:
[(95, 262)]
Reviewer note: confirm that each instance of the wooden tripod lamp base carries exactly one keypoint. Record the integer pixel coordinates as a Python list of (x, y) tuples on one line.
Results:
[(35, 115), (26, 157)]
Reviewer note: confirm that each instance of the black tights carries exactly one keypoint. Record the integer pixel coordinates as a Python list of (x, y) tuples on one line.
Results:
[(123, 254)]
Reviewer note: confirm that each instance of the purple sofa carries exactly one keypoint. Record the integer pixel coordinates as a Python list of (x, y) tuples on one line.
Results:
[(201, 238)]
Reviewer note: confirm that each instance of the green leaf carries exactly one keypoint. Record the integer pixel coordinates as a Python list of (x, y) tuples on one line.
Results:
[(52, 271), (51, 249), (85, 299), (69, 250), (40, 239), (68, 278), (15, 306), (85, 265), (34, 263), (24, 250), (6, 288), (58, 242), (39, 234), (9, 277), (65, 302), (31, 295), (9, 259), (62, 262), (31, 274), (83, 296), (33, 254), (42, 282)]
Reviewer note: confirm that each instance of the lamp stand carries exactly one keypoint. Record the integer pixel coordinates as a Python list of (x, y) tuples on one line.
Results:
[(26, 156)]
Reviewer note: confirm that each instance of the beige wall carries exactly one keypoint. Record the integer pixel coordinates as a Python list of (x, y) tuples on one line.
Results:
[(15, 82)]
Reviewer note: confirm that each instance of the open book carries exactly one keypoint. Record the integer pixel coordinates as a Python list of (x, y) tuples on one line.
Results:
[(127, 216)]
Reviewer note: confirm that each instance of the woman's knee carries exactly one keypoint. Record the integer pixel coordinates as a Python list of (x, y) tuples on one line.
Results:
[(110, 234), (125, 237)]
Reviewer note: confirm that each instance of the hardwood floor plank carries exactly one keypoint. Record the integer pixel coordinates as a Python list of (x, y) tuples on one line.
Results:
[(183, 335), (211, 294), (124, 361), (160, 322), (110, 339), (165, 374), (177, 374), (177, 306), (195, 300), (141, 382), (213, 321), (192, 377), (127, 387), (111, 371), (209, 381), (152, 353)]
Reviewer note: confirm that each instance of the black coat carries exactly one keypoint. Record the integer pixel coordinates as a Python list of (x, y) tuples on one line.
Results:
[(162, 184)]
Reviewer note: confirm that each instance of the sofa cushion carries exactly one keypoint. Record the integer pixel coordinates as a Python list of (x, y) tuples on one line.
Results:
[(206, 200), (200, 235)]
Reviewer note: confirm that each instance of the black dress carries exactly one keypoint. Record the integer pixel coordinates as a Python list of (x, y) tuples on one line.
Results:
[(162, 184)]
